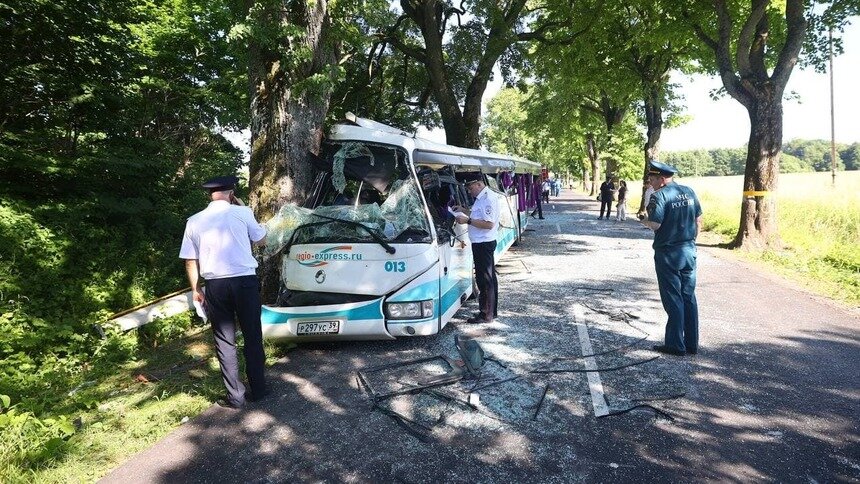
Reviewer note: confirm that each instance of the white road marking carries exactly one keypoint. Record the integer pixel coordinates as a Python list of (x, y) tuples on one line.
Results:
[(558, 228), (595, 385)]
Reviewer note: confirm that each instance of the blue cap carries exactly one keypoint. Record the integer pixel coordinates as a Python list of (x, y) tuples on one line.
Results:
[(221, 183), (662, 169)]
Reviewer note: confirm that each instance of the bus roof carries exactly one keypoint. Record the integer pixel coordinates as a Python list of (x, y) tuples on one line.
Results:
[(430, 153)]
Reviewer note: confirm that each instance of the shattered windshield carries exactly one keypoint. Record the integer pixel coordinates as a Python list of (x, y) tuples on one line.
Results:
[(367, 194)]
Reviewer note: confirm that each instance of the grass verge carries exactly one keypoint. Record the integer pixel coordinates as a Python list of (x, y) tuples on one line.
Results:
[(819, 226), (114, 412)]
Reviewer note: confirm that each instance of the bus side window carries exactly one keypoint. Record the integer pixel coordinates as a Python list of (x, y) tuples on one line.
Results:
[(435, 206), (461, 197), (438, 201)]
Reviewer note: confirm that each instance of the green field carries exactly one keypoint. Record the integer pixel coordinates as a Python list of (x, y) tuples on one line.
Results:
[(819, 224)]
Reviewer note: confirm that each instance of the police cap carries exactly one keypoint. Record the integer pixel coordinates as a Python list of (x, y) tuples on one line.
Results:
[(662, 169), (472, 177), (221, 183)]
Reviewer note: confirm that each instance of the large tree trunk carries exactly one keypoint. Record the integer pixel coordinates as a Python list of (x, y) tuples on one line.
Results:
[(462, 126), (594, 160), (654, 122), (497, 44), (286, 124), (758, 226), (425, 14), (612, 115), (747, 79)]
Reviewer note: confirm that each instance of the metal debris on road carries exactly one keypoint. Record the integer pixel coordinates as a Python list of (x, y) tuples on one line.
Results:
[(455, 373), (657, 399), (540, 401), (642, 405), (579, 370)]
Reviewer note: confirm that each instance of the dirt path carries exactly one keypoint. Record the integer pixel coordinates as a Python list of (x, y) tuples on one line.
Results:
[(774, 393)]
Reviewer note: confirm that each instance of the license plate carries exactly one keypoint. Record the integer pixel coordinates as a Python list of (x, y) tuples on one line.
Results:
[(318, 327)]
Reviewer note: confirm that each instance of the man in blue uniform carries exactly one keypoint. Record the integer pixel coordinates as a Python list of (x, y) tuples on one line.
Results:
[(217, 247), (675, 216)]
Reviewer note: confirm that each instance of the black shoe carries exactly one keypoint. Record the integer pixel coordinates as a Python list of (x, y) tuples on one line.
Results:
[(223, 402), (251, 397), (667, 350), (474, 320), (599, 218), (693, 352)]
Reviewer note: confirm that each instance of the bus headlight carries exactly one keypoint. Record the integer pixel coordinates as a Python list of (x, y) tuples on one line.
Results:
[(410, 310)]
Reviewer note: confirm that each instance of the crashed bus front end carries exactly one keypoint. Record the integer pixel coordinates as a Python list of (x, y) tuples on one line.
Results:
[(362, 260)]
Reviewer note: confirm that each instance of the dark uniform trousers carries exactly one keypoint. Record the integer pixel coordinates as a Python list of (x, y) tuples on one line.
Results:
[(227, 300), (676, 278), (606, 204), (487, 279)]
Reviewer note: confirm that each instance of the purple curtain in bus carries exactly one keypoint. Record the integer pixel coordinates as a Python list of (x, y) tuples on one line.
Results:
[(521, 192), (527, 190)]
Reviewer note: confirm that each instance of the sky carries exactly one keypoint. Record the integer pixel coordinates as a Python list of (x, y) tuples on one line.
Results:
[(724, 123)]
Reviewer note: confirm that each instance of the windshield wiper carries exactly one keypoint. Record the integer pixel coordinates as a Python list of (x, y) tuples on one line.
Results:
[(379, 240), (375, 236)]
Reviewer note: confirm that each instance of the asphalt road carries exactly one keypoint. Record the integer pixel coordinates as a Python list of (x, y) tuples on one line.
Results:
[(773, 395)]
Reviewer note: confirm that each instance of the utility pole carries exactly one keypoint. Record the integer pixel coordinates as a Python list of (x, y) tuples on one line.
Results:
[(832, 117)]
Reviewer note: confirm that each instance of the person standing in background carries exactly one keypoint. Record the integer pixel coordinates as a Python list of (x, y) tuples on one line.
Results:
[(217, 247), (536, 189), (606, 194), (646, 197), (622, 201), (675, 216), (483, 222)]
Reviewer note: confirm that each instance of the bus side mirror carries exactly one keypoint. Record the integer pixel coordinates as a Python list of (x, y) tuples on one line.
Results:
[(444, 235)]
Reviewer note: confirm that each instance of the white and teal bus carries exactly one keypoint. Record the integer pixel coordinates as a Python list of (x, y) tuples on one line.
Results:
[(375, 252)]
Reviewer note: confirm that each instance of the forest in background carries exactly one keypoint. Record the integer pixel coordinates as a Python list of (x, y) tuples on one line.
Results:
[(798, 156)]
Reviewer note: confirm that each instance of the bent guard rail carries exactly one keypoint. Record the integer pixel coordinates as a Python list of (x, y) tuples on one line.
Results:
[(163, 307)]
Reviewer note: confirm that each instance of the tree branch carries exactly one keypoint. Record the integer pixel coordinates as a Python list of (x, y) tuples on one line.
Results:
[(593, 105), (797, 25), (701, 34), (391, 36), (731, 81), (757, 50), (414, 52), (745, 38), (538, 34), (514, 10)]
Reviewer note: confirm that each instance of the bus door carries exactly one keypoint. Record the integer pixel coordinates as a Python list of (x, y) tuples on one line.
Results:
[(441, 191), (509, 226)]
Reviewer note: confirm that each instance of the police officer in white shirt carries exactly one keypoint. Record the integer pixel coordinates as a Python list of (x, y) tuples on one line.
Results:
[(217, 247), (483, 221)]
